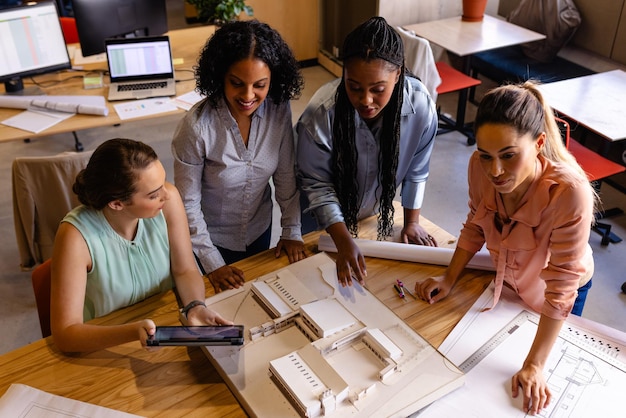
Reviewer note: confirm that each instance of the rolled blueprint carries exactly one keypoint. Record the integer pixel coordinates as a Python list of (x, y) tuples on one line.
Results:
[(409, 252), (89, 105)]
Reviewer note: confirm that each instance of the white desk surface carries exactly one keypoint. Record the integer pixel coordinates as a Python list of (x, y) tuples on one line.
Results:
[(595, 101), (467, 38)]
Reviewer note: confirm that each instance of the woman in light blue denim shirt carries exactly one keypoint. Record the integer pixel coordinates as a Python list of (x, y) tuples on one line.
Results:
[(360, 138)]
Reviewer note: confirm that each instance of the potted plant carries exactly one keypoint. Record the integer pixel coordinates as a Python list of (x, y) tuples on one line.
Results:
[(473, 10), (220, 11)]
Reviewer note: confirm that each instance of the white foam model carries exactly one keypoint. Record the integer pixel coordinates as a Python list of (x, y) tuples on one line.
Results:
[(316, 349)]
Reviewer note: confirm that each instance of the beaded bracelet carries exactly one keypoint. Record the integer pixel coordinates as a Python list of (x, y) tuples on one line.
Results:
[(192, 305)]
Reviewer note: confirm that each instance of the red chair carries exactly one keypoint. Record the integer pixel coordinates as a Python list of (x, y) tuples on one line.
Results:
[(597, 168), (439, 78), (454, 80), (70, 33), (41, 278)]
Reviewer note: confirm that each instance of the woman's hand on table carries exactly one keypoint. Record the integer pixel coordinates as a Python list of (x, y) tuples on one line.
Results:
[(535, 390), (433, 289), (414, 233), (294, 249), (226, 277), (350, 263)]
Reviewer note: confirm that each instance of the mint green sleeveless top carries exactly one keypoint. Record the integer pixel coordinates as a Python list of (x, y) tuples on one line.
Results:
[(123, 272)]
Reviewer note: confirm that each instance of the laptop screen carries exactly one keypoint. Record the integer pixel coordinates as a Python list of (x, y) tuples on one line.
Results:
[(139, 58)]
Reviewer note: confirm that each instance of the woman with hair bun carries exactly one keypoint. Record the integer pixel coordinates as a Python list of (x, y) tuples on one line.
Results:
[(128, 240)]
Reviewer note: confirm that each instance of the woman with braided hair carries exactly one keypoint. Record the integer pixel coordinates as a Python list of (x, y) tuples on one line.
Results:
[(361, 137)]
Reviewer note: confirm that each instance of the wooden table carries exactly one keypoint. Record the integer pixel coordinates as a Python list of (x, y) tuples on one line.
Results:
[(180, 381), (595, 101), (467, 38), (186, 45)]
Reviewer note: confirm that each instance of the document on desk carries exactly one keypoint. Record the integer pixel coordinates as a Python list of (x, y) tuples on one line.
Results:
[(586, 370), (187, 100), (145, 107), (36, 120), (27, 402)]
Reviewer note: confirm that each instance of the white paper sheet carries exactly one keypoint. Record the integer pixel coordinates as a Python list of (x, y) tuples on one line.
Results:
[(187, 100), (35, 120), (586, 370), (27, 402), (409, 252), (145, 107)]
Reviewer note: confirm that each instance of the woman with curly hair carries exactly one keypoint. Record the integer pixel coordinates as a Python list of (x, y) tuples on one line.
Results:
[(362, 136), (228, 147)]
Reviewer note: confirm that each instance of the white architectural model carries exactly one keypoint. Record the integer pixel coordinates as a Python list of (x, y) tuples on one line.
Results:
[(316, 349)]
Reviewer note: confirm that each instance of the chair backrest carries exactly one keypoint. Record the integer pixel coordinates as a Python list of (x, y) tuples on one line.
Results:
[(70, 32), (419, 59), (593, 164), (42, 196), (41, 278)]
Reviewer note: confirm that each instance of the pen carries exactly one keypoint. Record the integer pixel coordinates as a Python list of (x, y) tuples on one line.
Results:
[(401, 285), (399, 290)]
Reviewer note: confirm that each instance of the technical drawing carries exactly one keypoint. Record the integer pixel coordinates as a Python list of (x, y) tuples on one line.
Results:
[(585, 372), (316, 349)]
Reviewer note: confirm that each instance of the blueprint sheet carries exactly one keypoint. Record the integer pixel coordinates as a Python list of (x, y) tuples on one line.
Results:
[(586, 371)]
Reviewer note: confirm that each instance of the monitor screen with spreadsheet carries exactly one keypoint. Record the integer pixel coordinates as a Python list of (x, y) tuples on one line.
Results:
[(31, 43)]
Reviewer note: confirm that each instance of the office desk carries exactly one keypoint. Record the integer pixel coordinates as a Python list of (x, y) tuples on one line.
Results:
[(467, 38), (595, 101), (179, 381), (186, 45)]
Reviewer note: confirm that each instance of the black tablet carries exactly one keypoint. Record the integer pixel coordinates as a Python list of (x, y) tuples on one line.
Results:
[(197, 335)]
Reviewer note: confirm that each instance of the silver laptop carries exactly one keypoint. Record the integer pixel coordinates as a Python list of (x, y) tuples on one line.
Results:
[(140, 67)]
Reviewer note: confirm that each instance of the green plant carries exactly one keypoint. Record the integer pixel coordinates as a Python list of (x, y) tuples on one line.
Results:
[(220, 10)]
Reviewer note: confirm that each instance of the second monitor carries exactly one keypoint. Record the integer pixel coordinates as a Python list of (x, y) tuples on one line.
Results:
[(97, 20)]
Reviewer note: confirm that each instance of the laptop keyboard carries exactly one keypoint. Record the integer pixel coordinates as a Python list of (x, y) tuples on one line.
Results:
[(142, 86)]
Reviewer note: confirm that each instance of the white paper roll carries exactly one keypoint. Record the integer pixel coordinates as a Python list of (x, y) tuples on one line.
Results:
[(409, 252), (89, 105)]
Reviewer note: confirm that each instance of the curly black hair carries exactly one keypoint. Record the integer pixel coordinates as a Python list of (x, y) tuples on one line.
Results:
[(373, 39), (239, 40)]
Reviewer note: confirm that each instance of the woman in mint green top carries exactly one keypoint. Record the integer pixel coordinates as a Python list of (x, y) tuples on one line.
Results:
[(124, 272), (127, 241)]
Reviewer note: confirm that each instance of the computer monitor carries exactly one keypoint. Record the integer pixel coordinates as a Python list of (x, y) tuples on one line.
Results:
[(31, 43), (97, 20)]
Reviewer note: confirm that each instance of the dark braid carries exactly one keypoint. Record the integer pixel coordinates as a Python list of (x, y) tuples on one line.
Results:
[(373, 39)]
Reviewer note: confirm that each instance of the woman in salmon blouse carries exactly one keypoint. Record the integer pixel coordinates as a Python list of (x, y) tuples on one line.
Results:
[(532, 206)]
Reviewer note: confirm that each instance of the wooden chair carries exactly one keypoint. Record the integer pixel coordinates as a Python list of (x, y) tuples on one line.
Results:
[(41, 278), (597, 169)]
